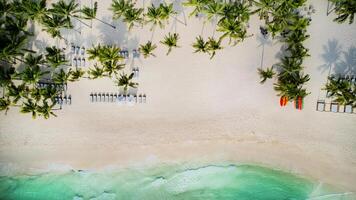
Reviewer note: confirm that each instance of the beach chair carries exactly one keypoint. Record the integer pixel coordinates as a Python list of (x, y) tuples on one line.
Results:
[(114, 98), (91, 97), (334, 107), (103, 97), (341, 108), (348, 109), (83, 62), (82, 51), (107, 97), (69, 100), (135, 53), (135, 98), (111, 97), (64, 100), (95, 97), (77, 49), (320, 106), (144, 98), (120, 98), (72, 49), (79, 61), (140, 98), (60, 101), (99, 97), (124, 54), (75, 63)]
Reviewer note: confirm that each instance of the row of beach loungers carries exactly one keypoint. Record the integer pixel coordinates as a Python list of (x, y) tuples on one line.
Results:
[(64, 100), (115, 97), (46, 84), (80, 51), (322, 106)]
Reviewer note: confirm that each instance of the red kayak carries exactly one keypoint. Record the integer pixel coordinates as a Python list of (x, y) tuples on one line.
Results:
[(283, 101), (299, 103)]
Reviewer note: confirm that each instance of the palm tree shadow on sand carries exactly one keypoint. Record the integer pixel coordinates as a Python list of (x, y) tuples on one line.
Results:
[(347, 65), (113, 36), (331, 55)]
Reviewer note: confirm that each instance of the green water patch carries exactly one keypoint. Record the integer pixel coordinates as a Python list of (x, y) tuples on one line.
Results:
[(231, 182)]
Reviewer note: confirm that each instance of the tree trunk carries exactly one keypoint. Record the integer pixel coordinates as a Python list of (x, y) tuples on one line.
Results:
[(112, 26)]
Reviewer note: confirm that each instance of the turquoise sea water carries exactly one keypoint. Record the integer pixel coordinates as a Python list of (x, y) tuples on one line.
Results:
[(232, 182)]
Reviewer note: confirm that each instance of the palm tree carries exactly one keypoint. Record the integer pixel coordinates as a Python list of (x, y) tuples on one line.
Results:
[(112, 67), (133, 16), (154, 16), (166, 11), (32, 60), (341, 90), (34, 9), (125, 81), (119, 7), (17, 92), (198, 5), (147, 49), (53, 23), (264, 8), (62, 77), (66, 10), (50, 92), (94, 52), (6, 7), (32, 74), (200, 45), (30, 107), (97, 72), (36, 94), (213, 46), (109, 53), (76, 75), (5, 104), (46, 110), (266, 74), (214, 9), (170, 41), (55, 57), (345, 10), (90, 14), (6, 75), (12, 45), (232, 29)]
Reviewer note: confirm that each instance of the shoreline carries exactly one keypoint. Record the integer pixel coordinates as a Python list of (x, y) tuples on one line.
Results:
[(197, 111)]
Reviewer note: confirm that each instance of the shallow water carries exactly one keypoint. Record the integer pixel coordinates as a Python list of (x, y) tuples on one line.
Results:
[(232, 182)]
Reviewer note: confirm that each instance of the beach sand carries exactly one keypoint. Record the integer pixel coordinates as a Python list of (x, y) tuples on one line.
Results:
[(198, 110)]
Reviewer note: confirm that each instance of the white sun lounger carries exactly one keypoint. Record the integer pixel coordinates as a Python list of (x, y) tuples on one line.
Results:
[(69, 100), (99, 97), (144, 98), (320, 106), (91, 97), (73, 49), (77, 49), (135, 98), (140, 98), (334, 107), (348, 109), (114, 98), (96, 98), (121, 98)]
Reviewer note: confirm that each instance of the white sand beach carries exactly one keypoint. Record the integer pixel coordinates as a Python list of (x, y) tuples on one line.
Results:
[(197, 111)]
